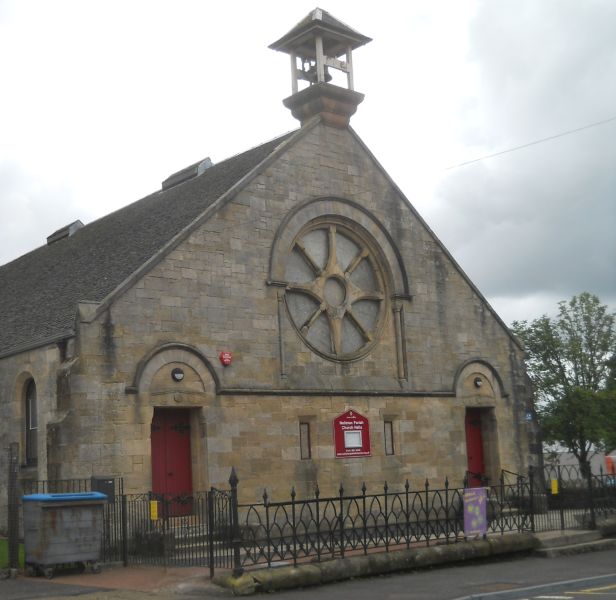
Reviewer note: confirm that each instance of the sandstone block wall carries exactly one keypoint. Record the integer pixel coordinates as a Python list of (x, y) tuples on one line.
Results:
[(215, 292)]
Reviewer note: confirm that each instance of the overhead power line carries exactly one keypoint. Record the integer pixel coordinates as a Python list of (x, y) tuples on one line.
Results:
[(547, 139)]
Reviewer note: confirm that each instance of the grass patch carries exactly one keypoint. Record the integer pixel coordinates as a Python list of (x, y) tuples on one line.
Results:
[(4, 554)]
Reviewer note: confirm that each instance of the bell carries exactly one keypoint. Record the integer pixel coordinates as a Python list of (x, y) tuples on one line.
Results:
[(309, 73)]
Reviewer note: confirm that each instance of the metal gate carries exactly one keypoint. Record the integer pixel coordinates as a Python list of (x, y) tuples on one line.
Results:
[(191, 530), (568, 499)]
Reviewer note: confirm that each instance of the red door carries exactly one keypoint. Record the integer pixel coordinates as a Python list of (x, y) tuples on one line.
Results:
[(171, 457), (474, 447)]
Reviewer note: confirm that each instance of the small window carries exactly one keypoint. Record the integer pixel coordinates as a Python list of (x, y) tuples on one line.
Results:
[(389, 437), (305, 450), (31, 425)]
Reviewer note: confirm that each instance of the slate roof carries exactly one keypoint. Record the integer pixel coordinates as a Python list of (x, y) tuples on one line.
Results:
[(40, 290)]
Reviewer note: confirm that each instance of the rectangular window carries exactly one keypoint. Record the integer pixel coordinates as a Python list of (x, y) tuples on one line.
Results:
[(389, 437), (304, 440)]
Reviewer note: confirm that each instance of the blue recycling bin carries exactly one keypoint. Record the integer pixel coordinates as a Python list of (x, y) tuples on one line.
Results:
[(61, 529)]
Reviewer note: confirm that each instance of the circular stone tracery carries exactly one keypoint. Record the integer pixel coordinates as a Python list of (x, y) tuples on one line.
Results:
[(336, 293)]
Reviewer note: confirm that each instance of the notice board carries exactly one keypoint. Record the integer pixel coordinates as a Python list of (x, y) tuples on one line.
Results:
[(351, 435)]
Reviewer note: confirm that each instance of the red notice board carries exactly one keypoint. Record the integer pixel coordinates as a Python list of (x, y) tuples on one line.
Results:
[(351, 435)]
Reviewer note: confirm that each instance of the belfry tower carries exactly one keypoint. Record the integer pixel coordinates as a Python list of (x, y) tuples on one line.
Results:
[(318, 43)]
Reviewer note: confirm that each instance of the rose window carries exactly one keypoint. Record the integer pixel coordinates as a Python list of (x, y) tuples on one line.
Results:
[(335, 291)]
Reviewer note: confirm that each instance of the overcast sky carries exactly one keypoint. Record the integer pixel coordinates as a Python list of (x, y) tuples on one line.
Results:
[(102, 100)]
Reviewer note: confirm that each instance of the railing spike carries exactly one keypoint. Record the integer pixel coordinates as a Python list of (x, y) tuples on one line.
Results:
[(233, 478), (385, 487), (407, 485), (341, 489), (363, 487), (293, 494)]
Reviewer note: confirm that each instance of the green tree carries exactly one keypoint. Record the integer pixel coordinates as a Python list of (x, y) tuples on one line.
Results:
[(610, 395), (570, 359)]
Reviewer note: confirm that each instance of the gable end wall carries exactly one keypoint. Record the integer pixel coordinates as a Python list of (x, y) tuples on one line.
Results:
[(212, 293)]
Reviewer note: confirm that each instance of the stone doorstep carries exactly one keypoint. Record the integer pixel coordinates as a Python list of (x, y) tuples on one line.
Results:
[(576, 548), (567, 537)]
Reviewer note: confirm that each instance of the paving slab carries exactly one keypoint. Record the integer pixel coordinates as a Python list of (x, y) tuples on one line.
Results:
[(115, 583)]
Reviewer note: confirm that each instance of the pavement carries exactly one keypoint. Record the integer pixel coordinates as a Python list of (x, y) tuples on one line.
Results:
[(117, 583), (150, 579), (444, 583)]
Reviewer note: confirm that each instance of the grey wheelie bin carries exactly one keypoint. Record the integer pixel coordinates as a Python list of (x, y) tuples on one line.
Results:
[(61, 529)]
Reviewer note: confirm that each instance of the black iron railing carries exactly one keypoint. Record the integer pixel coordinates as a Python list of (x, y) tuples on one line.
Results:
[(213, 529), (325, 527), (56, 486), (574, 498)]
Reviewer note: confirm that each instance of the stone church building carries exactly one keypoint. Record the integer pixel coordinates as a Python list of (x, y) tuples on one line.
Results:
[(286, 311)]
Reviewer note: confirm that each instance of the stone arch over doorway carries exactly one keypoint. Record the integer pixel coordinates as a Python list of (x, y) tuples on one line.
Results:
[(148, 378)]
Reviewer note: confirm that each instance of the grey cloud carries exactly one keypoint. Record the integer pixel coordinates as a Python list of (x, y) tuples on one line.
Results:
[(543, 222), (544, 65), (539, 221)]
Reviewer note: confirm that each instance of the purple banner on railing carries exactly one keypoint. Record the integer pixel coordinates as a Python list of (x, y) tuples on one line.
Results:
[(475, 521)]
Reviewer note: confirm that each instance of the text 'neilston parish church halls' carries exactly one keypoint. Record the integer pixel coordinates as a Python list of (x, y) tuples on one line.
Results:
[(285, 311)]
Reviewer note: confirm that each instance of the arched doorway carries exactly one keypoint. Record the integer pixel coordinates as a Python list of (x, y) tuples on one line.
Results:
[(479, 392), (176, 383)]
